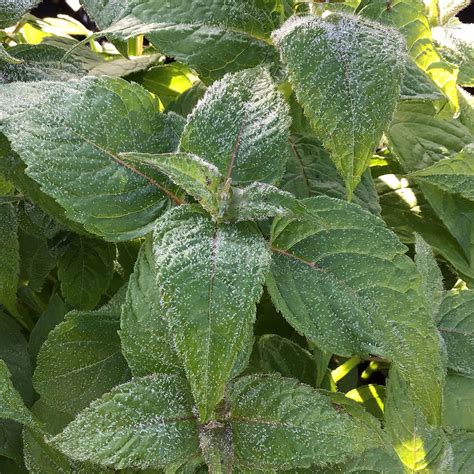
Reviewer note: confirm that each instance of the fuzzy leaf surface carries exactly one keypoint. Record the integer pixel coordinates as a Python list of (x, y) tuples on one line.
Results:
[(197, 177), (363, 64), (409, 17), (311, 172), (418, 444), (210, 277), (274, 353), (146, 340), (431, 277), (456, 325), (81, 359), (463, 451), (458, 402), (241, 126), (145, 423), (356, 295), (278, 423), (61, 138), (12, 10)]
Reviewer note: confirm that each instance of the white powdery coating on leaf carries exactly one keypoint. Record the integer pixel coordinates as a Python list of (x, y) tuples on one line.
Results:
[(210, 277), (346, 72)]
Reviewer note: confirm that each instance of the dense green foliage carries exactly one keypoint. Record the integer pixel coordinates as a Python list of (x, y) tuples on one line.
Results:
[(237, 236)]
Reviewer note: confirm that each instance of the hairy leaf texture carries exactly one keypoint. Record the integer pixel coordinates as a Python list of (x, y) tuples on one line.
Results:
[(409, 17), (419, 445), (346, 72), (81, 359), (12, 10), (146, 340), (145, 423), (456, 325), (241, 126), (278, 423), (210, 277), (67, 149), (454, 175), (344, 282)]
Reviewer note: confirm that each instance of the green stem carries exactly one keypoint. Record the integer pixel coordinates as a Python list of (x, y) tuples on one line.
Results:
[(135, 46)]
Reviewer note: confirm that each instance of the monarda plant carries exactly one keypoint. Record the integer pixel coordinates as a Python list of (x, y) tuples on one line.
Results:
[(237, 236)]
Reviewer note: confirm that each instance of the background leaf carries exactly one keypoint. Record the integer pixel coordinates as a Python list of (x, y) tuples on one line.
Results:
[(81, 359), (85, 271)]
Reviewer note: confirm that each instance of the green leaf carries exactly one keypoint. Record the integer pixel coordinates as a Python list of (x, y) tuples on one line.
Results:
[(168, 81), (121, 67), (419, 138), (40, 457), (406, 211), (455, 43), (74, 158), (278, 423), (9, 258), (85, 271), (13, 168), (146, 340), (419, 445), (145, 423), (277, 354), (456, 325), (12, 10), (463, 452), (186, 102), (6, 57), (417, 85), (81, 359), (363, 65), (53, 315), (431, 277), (210, 277), (12, 406), (14, 352), (260, 201), (356, 296), (466, 105), (458, 402), (409, 17), (41, 62), (371, 396), (197, 177), (212, 38), (454, 175), (241, 126), (311, 172)]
